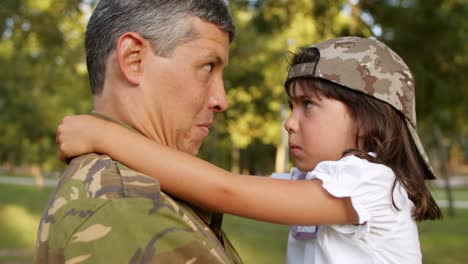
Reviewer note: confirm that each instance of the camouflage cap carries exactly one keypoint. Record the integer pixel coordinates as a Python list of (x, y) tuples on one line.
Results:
[(370, 67)]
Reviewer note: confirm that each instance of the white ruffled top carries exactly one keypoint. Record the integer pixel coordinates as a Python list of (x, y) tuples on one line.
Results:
[(385, 234)]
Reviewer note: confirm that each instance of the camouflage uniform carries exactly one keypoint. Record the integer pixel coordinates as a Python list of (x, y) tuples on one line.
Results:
[(104, 212), (370, 67)]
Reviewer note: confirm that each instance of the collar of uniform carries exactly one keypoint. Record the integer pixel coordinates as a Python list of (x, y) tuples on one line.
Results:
[(211, 219), (110, 119), (204, 214), (135, 184)]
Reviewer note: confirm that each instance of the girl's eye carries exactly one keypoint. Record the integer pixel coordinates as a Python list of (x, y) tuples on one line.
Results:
[(308, 104), (208, 67)]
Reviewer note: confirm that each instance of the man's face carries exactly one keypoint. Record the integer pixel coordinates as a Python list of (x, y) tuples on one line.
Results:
[(184, 90)]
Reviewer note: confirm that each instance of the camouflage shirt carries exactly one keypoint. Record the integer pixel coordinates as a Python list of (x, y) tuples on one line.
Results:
[(105, 212)]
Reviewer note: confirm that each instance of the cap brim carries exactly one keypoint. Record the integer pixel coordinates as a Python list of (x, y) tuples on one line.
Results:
[(420, 148)]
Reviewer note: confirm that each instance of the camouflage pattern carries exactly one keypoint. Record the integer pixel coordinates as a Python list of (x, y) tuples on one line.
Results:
[(370, 67), (104, 212)]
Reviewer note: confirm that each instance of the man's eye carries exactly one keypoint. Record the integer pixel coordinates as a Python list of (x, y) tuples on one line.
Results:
[(208, 67)]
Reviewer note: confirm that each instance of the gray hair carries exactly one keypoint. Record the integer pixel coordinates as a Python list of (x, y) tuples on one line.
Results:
[(163, 23)]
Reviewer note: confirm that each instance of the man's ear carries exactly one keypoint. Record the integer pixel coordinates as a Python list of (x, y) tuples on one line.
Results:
[(130, 52)]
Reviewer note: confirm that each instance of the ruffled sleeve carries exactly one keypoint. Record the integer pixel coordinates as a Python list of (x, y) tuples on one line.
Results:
[(367, 184)]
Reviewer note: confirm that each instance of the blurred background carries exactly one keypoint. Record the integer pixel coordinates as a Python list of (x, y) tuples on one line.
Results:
[(43, 77)]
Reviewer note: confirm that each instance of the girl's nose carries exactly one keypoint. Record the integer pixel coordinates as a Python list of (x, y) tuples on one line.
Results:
[(291, 124)]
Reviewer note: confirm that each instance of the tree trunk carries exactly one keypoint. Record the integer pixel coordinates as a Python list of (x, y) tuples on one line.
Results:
[(36, 170), (443, 159), (235, 156), (282, 157), (355, 18)]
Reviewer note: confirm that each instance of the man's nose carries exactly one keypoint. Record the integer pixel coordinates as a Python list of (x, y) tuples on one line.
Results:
[(218, 99)]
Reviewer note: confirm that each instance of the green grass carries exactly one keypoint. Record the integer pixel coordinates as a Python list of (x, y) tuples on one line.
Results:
[(441, 241), (17, 259), (257, 242), (20, 210), (445, 241), (460, 194)]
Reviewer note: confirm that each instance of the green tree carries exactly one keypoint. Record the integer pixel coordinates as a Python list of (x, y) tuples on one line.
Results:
[(267, 31), (43, 76), (431, 36)]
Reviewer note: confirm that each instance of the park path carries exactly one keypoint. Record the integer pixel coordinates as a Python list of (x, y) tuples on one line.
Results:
[(51, 183), (27, 181)]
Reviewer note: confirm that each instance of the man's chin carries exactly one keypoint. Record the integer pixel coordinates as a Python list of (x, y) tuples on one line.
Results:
[(194, 152), (192, 149)]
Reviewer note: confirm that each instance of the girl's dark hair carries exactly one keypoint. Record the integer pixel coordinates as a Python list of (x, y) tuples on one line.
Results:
[(383, 132)]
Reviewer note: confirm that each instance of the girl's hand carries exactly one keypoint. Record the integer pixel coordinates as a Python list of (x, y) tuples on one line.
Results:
[(78, 135)]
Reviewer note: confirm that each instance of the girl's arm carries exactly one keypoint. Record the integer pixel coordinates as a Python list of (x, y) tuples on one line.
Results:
[(203, 184)]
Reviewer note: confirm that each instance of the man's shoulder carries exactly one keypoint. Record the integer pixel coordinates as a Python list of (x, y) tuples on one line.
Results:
[(85, 167), (104, 178), (99, 177), (88, 176), (97, 195)]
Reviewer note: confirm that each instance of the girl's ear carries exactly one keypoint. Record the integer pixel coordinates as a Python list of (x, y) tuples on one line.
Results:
[(359, 136), (360, 132), (130, 52)]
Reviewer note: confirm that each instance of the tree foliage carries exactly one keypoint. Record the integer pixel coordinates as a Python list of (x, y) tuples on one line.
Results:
[(268, 31), (431, 36), (43, 75)]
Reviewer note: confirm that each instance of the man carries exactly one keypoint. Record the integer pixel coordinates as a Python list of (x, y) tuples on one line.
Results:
[(156, 68)]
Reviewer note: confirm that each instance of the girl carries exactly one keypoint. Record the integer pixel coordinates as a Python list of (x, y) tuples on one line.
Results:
[(358, 186)]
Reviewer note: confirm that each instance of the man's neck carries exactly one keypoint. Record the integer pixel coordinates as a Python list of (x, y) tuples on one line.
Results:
[(112, 119), (125, 110), (106, 107)]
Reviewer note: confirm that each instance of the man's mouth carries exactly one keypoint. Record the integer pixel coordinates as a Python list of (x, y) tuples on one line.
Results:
[(205, 127)]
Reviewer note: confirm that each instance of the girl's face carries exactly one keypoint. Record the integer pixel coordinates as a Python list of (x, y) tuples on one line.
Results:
[(319, 129)]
